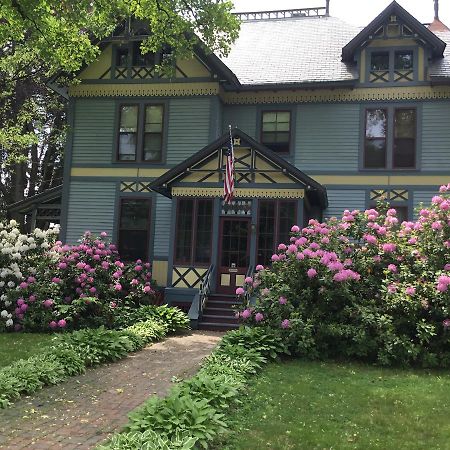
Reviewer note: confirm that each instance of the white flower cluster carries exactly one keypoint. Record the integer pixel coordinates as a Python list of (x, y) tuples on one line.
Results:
[(19, 254)]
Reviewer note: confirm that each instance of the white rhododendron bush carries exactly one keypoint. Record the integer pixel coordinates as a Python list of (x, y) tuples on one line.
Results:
[(45, 285)]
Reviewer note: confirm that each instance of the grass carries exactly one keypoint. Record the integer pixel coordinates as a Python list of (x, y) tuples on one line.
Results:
[(14, 346), (316, 405)]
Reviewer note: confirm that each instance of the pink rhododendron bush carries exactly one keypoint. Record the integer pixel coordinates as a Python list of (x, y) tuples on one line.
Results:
[(45, 285), (364, 286)]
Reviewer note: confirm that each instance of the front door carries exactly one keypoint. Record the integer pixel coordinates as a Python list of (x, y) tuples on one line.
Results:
[(234, 253)]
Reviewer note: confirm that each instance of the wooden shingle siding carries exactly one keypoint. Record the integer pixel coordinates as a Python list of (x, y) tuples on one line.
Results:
[(163, 219), (327, 137), (242, 117), (189, 127), (91, 207), (436, 136), (342, 199), (93, 131)]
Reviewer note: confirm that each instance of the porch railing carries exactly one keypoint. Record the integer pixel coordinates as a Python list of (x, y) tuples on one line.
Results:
[(205, 289)]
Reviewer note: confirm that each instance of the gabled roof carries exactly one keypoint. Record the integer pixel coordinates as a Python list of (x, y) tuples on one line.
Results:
[(163, 184), (437, 45), (43, 197)]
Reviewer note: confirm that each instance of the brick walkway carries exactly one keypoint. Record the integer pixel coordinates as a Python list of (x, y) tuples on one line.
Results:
[(85, 410)]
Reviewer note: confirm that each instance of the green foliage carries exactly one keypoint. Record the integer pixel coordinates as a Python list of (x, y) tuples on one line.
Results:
[(267, 342), (99, 345), (148, 440), (173, 318), (28, 375), (179, 413), (364, 286), (71, 353)]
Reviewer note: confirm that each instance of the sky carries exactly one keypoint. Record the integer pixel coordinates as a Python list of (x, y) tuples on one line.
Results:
[(356, 12)]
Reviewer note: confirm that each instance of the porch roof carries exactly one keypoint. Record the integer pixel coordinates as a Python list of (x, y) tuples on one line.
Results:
[(314, 191)]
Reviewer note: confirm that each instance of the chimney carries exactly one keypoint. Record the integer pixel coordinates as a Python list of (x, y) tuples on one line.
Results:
[(327, 10)]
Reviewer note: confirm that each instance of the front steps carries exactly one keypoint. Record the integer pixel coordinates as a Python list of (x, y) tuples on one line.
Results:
[(218, 314)]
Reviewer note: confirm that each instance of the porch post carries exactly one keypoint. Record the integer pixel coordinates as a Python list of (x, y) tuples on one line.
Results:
[(172, 242), (254, 232), (215, 238)]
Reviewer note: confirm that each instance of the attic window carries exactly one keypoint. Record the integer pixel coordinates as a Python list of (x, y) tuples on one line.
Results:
[(379, 61), (392, 66), (142, 59), (122, 56)]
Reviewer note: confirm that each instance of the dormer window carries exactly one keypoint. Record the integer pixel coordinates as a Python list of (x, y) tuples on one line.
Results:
[(142, 59), (392, 66)]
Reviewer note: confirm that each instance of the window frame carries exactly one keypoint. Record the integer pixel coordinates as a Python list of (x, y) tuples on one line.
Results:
[(391, 51), (191, 262), (139, 159), (390, 136), (148, 200), (291, 112), (276, 232)]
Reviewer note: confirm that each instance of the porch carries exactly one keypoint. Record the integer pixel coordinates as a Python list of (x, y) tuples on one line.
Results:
[(217, 245)]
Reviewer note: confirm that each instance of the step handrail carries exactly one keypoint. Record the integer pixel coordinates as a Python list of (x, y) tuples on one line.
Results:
[(205, 290)]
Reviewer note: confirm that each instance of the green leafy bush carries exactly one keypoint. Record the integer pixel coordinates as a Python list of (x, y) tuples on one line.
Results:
[(173, 318), (176, 413), (148, 440), (265, 341)]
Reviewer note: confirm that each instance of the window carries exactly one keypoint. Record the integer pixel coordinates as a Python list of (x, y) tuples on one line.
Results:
[(390, 138), (128, 132), (375, 145), (122, 56), (275, 220), (134, 229), (404, 138), (146, 146), (193, 232), (142, 59), (276, 130), (392, 66), (379, 61)]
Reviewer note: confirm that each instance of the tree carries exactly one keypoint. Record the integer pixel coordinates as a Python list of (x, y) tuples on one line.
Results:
[(41, 37)]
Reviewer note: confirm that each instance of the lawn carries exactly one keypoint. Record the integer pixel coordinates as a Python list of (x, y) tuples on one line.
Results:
[(14, 346), (314, 405)]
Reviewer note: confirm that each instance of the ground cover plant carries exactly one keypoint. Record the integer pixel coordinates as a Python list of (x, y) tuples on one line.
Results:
[(71, 353), (300, 404), (195, 413), (45, 285), (364, 286)]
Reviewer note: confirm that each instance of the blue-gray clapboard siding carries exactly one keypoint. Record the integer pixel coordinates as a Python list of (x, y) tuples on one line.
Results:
[(163, 219), (342, 199), (91, 207), (189, 127), (327, 137), (93, 131), (436, 136), (243, 117)]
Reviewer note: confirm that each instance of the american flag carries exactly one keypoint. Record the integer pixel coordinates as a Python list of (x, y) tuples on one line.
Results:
[(228, 181)]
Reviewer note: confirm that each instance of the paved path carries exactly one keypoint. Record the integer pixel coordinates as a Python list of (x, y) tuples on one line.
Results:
[(86, 409)]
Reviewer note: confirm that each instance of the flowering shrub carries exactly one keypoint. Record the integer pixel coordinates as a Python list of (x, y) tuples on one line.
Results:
[(47, 285), (364, 286)]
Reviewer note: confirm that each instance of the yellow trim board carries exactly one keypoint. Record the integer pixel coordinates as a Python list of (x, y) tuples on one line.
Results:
[(239, 192), (115, 172), (144, 89), (339, 95), (159, 272), (388, 180)]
